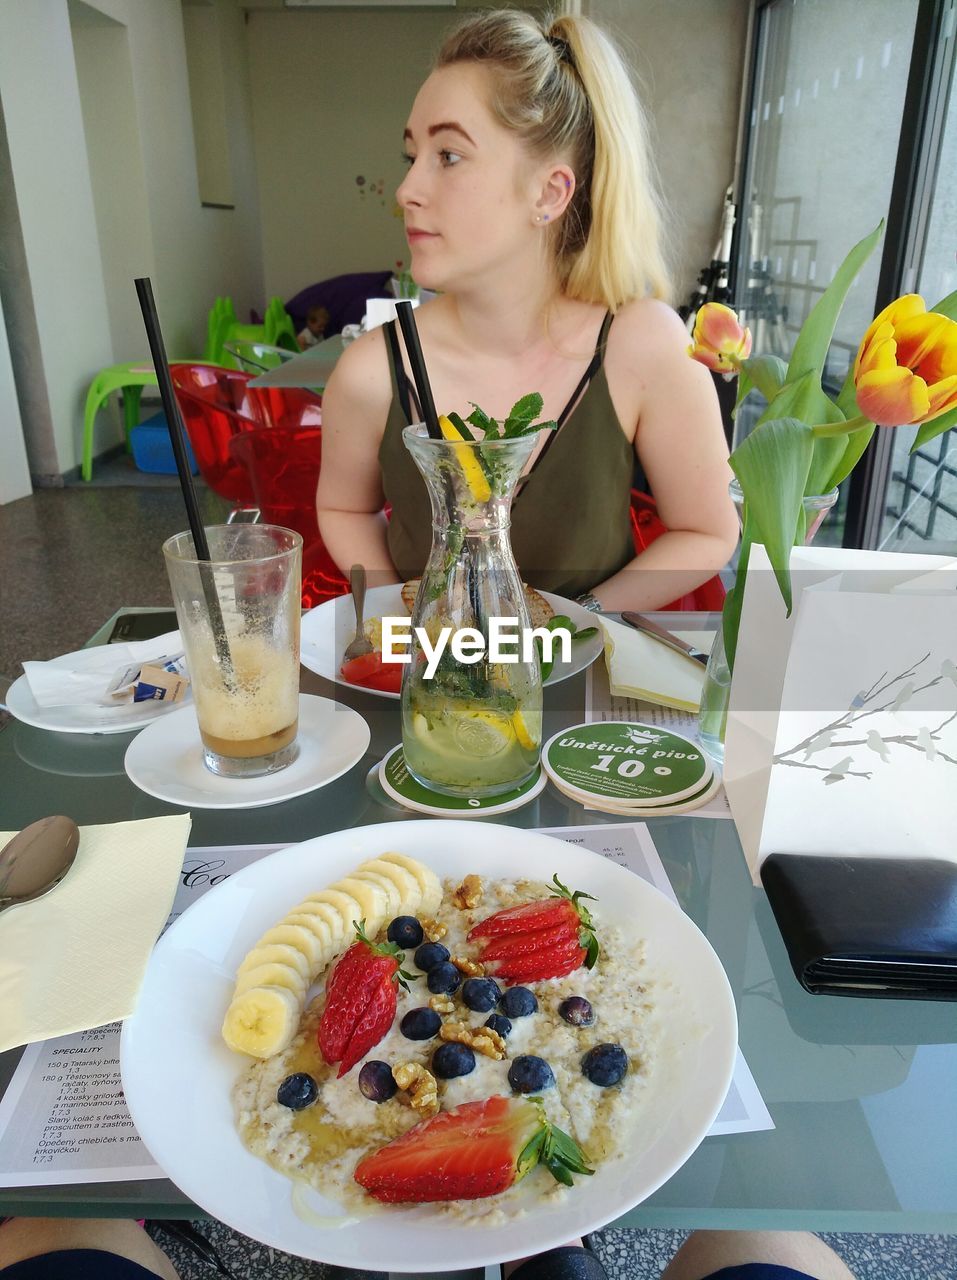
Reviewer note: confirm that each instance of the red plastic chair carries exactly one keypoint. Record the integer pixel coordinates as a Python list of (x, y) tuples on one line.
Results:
[(646, 525), (218, 405), (282, 463)]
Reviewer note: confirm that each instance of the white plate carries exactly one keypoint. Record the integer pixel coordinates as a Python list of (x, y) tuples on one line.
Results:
[(90, 718), (166, 760), (327, 629), (178, 1073)]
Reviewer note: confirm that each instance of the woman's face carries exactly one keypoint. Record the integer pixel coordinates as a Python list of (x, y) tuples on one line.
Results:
[(469, 195)]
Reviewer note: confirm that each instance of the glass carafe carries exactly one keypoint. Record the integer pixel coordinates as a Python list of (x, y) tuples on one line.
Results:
[(473, 728)]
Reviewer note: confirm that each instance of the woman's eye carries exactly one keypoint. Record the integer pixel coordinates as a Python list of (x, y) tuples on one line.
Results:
[(407, 159), (449, 158)]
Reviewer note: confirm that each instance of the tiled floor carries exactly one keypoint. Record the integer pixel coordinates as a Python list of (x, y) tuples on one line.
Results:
[(71, 557)]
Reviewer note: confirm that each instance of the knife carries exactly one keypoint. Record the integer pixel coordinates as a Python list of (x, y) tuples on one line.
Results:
[(641, 623)]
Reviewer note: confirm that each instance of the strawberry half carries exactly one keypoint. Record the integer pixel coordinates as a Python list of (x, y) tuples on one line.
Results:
[(548, 938), (477, 1149), (360, 1000)]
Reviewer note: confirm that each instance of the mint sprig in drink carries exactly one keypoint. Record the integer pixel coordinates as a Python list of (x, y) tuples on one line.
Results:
[(473, 728)]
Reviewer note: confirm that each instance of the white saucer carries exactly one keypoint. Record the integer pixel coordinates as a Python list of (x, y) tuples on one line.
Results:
[(91, 717), (166, 759)]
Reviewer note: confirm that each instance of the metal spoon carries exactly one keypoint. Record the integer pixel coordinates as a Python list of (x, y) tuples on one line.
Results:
[(37, 859), (361, 645)]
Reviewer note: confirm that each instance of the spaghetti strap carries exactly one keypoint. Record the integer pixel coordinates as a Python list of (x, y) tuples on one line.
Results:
[(593, 366)]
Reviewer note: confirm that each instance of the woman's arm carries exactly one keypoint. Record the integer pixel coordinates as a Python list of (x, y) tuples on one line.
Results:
[(349, 499), (681, 446)]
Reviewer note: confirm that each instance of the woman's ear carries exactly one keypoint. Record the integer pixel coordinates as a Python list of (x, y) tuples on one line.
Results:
[(555, 194)]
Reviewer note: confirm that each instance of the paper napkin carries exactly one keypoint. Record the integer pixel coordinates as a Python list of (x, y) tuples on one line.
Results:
[(63, 683), (75, 959), (639, 667)]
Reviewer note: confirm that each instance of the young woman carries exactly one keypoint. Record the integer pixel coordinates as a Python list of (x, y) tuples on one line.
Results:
[(530, 205)]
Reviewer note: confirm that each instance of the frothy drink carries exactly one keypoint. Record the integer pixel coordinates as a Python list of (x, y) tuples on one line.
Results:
[(260, 714)]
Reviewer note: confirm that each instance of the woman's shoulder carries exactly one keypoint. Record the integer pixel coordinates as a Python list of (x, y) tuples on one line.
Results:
[(648, 324)]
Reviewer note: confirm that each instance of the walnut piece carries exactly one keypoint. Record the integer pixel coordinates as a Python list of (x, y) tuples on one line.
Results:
[(482, 1039), (468, 894), (433, 930), (442, 1004), (471, 968), (419, 1083)]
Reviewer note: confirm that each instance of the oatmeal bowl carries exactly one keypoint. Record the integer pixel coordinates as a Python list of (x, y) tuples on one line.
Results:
[(427, 1045)]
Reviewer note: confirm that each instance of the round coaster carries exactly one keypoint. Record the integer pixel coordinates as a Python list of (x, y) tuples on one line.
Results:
[(626, 764), (166, 759), (655, 811), (398, 783)]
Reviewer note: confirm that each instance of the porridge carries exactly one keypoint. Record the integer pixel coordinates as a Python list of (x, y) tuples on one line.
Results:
[(319, 1139)]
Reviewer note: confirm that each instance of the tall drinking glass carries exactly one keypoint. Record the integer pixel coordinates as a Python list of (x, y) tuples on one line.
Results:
[(473, 728), (238, 617)]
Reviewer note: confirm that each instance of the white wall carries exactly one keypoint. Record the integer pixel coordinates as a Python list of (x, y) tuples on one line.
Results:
[(130, 185), (331, 92), (14, 472)]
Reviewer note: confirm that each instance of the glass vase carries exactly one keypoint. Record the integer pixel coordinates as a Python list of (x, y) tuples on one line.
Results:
[(471, 728), (716, 691)]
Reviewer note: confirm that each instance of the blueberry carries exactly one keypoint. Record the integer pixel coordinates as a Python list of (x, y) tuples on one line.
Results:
[(481, 994), (529, 1074), (430, 954), (452, 1059), (297, 1091), (518, 1002), (443, 978), (406, 931), (577, 1011), (375, 1081), (605, 1064), (420, 1024), (498, 1022)]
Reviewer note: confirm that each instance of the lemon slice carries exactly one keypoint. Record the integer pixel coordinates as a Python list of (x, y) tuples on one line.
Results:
[(484, 733), (527, 735), (475, 477)]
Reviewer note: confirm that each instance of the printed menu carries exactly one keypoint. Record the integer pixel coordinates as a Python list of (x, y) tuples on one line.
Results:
[(63, 1118)]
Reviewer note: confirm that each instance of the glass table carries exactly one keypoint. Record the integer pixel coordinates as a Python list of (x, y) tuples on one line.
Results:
[(862, 1092)]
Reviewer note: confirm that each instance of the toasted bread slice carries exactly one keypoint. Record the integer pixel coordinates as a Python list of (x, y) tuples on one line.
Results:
[(539, 609)]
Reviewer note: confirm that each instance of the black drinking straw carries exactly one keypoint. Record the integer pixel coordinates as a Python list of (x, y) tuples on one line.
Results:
[(410, 333), (177, 433)]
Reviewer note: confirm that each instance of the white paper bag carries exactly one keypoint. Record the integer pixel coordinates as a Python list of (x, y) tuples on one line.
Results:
[(857, 617)]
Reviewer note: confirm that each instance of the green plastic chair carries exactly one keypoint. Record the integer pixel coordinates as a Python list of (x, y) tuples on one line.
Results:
[(255, 357), (129, 379), (280, 330), (221, 316)]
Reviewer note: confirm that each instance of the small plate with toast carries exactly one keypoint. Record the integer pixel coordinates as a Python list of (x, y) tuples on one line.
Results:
[(327, 629)]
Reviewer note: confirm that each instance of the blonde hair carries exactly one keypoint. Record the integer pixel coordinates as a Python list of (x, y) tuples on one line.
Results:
[(563, 88)]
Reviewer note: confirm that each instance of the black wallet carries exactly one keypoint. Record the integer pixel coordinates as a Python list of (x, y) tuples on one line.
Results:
[(878, 927)]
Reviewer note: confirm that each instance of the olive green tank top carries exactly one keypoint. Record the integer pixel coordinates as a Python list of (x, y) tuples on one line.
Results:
[(571, 525)]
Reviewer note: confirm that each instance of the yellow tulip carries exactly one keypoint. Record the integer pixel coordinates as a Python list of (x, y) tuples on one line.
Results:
[(906, 367), (719, 340)]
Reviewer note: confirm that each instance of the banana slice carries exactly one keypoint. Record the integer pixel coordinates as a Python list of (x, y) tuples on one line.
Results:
[(372, 899), (410, 891), (392, 891), (272, 952), (304, 917), (310, 943), (430, 883), (262, 1021), (272, 974), (325, 914), (350, 911)]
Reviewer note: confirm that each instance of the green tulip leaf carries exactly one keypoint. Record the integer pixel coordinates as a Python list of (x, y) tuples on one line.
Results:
[(810, 350), (767, 373), (936, 427), (772, 466), (731, 613), (854, 446), (947, 306)]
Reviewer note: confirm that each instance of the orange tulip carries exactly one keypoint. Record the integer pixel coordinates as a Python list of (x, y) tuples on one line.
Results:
[(906, 368), (719, 341)]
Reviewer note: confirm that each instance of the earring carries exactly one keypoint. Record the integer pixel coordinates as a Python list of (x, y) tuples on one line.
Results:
[(542, 217)]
